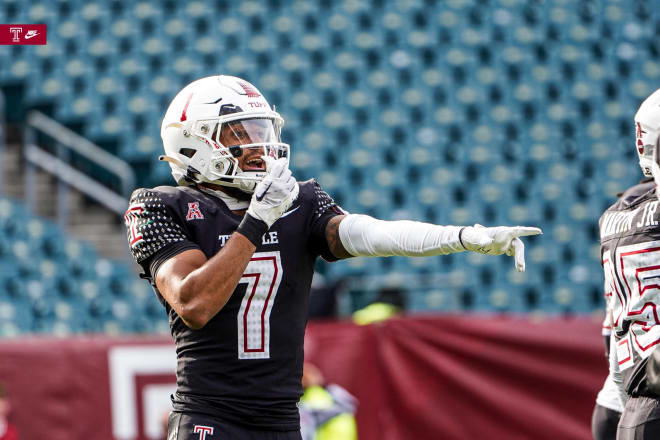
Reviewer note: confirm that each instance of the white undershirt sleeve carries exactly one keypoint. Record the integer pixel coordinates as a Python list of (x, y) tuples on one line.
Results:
[(364, 236)]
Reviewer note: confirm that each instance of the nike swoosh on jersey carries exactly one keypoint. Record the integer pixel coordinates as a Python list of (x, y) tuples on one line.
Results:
[(28, 35), (290, 212)]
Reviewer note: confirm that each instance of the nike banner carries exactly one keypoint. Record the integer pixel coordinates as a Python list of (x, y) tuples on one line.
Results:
[(23, 34)]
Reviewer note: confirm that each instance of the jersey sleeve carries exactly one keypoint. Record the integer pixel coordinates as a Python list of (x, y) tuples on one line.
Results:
[(323, 209), (153, 235)]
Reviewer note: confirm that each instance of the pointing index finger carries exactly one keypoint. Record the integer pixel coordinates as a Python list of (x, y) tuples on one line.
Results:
[(523, 231)]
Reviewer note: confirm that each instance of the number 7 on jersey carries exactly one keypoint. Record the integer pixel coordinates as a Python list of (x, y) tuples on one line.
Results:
[(262, 275)]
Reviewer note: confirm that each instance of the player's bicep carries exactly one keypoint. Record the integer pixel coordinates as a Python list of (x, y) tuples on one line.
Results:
[(332, 237), (173, 271)]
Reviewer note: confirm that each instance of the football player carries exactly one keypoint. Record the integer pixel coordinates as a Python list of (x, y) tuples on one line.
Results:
[(230, 253), (609, 405), (630, 250)]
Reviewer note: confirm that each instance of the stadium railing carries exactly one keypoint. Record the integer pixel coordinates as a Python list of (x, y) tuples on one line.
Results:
[(58, 164)]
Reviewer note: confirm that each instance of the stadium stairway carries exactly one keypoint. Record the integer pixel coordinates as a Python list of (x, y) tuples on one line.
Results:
[(87, 220)]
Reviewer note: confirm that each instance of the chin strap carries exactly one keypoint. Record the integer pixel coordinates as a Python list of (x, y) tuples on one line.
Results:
[(171, 159), (231, 202), (182, 178)]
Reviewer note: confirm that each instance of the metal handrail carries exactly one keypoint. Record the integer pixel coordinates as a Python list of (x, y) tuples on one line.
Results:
[(67, 176), (85, 148)]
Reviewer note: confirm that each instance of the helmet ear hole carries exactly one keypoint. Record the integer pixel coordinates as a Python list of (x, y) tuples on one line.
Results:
[(188, 152)]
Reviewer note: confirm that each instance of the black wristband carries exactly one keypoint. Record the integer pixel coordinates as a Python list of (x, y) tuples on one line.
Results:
[(252, 228), (460, 237)]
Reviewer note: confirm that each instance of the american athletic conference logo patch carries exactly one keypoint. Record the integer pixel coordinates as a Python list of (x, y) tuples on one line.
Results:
[(194, 212)]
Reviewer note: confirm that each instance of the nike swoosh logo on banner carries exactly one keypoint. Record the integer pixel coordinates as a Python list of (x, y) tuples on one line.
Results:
[(290, 212), (29, 35)]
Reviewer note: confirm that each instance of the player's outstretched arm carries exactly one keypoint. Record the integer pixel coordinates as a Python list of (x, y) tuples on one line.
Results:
[(360, 235), (197, 288)]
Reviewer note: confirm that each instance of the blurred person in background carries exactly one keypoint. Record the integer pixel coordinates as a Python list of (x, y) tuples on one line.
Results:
[(7, 430), (230, 253), (326, 410), (609, 405), (390, 302), (630, 253)]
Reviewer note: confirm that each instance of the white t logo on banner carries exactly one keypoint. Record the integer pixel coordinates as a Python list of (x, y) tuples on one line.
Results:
[(16, 31), (126, 364)]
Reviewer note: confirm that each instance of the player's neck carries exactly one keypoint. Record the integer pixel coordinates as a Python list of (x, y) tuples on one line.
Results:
[(236, 200)]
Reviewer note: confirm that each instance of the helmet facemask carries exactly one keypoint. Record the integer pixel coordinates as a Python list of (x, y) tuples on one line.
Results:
[(225, 140), (246, 140)]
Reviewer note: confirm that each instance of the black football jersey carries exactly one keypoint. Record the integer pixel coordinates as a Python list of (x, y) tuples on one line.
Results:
[(245, 365), (630, 252)]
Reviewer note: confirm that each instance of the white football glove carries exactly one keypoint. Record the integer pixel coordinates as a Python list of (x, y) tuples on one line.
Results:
[(498, 240), (275, 193)]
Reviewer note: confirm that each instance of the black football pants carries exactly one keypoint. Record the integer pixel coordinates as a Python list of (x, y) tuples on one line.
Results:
[(191, 426), (640, 419)]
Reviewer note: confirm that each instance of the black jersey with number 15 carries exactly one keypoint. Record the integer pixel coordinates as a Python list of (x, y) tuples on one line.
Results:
[(245, 365)]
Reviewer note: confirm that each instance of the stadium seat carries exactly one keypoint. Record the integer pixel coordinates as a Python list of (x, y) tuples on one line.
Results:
[(52, 284), (445, 113)]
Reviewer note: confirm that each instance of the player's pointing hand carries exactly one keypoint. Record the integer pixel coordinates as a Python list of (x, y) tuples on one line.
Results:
[(498, 240)]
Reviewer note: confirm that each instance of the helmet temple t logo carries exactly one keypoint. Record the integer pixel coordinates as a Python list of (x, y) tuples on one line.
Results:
[(640, 144)]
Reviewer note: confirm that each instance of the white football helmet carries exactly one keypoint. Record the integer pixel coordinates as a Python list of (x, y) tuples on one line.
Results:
[(202, 114), (647, 134)]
